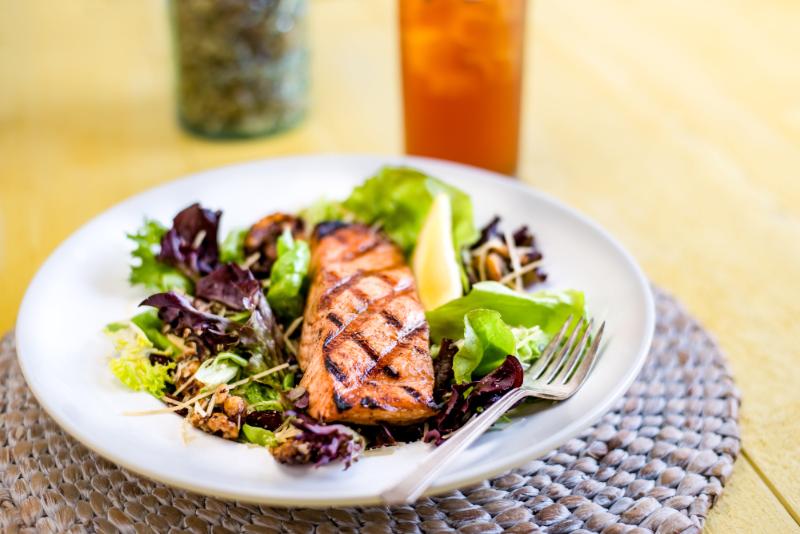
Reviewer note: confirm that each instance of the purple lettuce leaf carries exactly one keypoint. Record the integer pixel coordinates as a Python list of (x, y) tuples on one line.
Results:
[(230, 285), (191, 244), (443, 368), (490, 230), (319, 444), (465, 399), (210, 331), (385, 435), (261, 334)]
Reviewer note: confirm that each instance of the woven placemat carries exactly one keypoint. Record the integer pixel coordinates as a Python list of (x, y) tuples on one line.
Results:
[(655, 463)]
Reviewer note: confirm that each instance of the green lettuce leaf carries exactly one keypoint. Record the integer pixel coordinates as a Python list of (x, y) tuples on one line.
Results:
[(487, 342), (220, 369), (260, 397), (400, 198), (259, 436), (547, 309), (132, 365), (146, 269), (150, 325), (529, 343), (231, 250), (288, 276)]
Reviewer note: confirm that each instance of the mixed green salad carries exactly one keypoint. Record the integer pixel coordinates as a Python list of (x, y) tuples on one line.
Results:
[(218, 335)]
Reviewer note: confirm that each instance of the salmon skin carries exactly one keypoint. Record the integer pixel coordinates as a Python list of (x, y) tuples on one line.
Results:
[(364, 347)]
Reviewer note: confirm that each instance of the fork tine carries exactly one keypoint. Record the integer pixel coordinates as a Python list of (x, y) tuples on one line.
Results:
[(549, 351), (575, 356), (564, 353), (588, 361)]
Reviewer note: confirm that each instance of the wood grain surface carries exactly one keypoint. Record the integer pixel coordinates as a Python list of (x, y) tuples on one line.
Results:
[(675, 124)]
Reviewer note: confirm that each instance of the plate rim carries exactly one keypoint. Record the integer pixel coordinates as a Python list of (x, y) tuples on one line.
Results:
[(573, 428)]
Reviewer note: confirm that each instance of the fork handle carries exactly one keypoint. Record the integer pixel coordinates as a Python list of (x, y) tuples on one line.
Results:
[(412, 486)]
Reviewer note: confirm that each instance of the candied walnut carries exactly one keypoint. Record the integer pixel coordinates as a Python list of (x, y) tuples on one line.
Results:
[(221, 395), (219, 423), (188, 369), (233, 406), (292, 452), (495, 266), (197, 420), (262, 239)]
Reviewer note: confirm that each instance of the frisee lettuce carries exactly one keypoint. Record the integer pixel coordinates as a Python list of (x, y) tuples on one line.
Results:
[(146, 269), (140, 375), (132, 365), (289, 276)]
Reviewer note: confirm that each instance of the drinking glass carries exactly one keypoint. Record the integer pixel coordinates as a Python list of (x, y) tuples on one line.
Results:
[(462, 77)]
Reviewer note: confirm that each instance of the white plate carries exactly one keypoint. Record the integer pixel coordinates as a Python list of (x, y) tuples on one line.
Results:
[(83, 286)]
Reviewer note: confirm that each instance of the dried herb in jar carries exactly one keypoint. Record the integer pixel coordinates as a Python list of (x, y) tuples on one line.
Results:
[(242, 65)]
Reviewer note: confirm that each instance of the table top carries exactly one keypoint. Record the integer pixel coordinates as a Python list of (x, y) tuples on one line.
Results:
[(676, 125)]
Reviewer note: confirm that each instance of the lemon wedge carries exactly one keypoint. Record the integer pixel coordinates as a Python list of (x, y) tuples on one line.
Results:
[(434, 263)]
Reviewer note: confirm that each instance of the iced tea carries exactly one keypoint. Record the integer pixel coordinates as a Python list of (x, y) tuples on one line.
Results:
[(462, 76)]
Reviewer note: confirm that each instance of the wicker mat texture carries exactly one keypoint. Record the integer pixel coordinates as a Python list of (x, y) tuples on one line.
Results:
[(655, 463)]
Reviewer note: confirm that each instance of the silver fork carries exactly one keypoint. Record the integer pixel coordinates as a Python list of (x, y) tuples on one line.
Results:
[(558, 373)]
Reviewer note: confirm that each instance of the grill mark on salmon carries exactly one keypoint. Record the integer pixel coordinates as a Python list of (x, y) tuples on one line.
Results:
[(390, 372), (411, 391), (403, 341), (334, 370), (364, 345), (364, 307), (341, 404), (363, 249), (335, 319), (376, 306), (349, 281), (369, 402), (343, 284), (391, 319), (363, 299)]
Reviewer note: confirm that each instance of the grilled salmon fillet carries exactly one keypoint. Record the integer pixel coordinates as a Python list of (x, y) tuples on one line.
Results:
[(364, 346)]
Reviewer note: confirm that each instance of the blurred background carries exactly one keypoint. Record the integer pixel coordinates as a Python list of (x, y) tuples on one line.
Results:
[(676, 125)]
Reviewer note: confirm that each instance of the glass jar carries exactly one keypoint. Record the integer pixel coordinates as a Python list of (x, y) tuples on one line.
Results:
[(241, 65)]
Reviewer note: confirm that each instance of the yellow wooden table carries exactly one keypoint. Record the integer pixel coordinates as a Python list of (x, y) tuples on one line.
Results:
[(674, 124)]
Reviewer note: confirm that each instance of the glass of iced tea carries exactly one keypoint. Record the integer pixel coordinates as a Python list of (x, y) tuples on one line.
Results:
[(462, 77)]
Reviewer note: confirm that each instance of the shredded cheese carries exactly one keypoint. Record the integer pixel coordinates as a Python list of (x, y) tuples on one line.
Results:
[(250, 260), (188, 381), (293, 326), (198, 239), (482, 252), (289, 331), (190, 402), (185, 428), (518, 274), (515, 264)]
